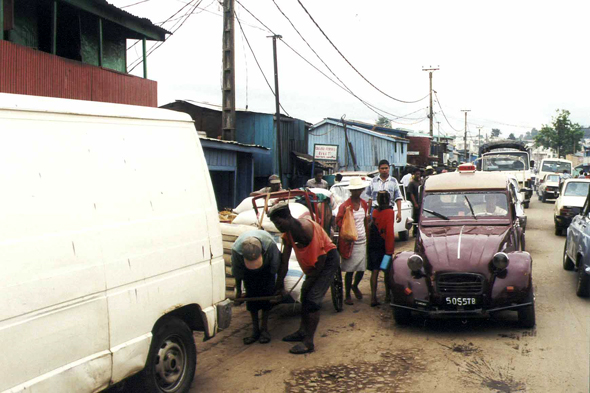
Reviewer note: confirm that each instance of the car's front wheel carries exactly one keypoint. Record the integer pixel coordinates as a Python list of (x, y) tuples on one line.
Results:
[(403, 235), (171, 362), (402, 316), (526, 314)]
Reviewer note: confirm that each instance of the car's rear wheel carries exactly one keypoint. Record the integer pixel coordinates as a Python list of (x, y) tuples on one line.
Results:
[(583, 288), (403, 235), (568, 264), (526, 205), (526, 314), (544, 198), (557, 231), (402, 316), (171, 362)]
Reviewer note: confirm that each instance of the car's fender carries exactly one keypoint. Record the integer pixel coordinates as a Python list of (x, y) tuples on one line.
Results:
[(514, 285), (402, 279)]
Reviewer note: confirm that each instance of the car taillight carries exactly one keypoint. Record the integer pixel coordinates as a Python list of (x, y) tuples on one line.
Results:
[(566, 211), (540, 181)]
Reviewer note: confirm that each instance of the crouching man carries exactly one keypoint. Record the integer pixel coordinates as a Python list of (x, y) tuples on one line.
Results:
[(255, 260), (319, 260)]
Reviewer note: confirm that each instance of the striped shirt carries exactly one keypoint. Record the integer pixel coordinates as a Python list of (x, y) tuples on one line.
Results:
[(390, 185)]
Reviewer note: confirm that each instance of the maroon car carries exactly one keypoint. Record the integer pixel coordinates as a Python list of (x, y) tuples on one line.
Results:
[(469, 258)]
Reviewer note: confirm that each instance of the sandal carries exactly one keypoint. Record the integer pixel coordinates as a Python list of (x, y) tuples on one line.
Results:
[(252, 339), (375, 303), (301, 349), (357, 293), (294, 337), (264, 337), (349, 302)]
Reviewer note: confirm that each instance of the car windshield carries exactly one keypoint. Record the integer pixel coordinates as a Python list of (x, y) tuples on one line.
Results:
[(517, 161), (457, 204), (576, 189), (553, 178), (556, 166)]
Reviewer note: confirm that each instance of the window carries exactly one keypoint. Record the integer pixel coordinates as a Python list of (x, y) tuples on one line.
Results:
[(458, 204)]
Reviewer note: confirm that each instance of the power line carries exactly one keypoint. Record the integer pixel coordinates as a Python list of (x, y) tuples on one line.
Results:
[(201, 9), (443, 112), (139, 2), (258, 64), (166, 39), (350, 64)]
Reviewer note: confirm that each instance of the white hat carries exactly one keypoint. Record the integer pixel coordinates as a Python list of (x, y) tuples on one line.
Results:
[(356, 183)]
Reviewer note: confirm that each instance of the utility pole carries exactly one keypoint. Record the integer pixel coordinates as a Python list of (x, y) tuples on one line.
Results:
[(479, 137), (278, 106), (430, 71), (438, 122), (465, 137), (228, 103)]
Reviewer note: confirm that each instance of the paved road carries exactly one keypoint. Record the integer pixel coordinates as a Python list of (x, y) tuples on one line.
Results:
[(362, 349)]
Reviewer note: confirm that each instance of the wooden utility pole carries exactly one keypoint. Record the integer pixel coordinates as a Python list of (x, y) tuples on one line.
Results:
[(430, 71), (478, 138), (465, 137), (278, 107), (438, 122), (228, 104)]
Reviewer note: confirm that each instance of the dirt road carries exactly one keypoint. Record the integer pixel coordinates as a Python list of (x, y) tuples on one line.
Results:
[(362, 349)]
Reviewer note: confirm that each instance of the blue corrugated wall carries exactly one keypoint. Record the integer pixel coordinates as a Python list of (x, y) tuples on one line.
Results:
[(368, 149)]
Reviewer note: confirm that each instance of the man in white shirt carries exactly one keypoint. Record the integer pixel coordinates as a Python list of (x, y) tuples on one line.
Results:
[(407, 178)]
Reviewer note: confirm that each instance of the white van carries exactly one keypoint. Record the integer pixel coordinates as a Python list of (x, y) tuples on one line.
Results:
[(110, 246), (553, 165)]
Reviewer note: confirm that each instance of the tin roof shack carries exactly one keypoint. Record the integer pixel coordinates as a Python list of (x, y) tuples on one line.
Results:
[(231, 166), (259, 129), (73, 49), (367, 147)]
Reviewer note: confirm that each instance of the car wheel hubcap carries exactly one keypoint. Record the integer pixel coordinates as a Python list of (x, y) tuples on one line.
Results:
[(170, 364)]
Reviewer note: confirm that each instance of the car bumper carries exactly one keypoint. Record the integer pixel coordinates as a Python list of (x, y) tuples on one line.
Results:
[(471, 313), (224, 313), (563, 221), (550, 194)]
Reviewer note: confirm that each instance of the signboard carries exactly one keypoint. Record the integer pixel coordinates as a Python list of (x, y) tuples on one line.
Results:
[(413, 153), (325, 152)]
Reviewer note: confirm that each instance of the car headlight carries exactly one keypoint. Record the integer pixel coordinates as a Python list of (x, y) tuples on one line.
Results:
[(415, 263), (500, 261)]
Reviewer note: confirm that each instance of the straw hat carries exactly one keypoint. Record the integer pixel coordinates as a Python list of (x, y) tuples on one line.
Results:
[(356, 183)]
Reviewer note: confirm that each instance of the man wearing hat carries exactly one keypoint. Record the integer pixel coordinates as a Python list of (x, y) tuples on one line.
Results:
[(354, 256), (255, 259), (319, 260), (274, 185)]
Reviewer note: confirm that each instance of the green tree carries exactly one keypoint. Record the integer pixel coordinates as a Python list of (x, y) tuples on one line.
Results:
[(496, 132), (511, 136), (563, 136), (534, 132), (383, 122)]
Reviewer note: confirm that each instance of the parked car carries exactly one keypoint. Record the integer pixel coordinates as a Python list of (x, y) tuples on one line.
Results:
[(110, 248), (553, 165), (469, 259), (570, 202), (576, 251), (548, 187)]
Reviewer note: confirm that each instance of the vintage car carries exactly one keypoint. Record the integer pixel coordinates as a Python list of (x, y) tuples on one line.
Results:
[(576, 251), (469, 258), (548, 187), (518, 201), (570, 202)]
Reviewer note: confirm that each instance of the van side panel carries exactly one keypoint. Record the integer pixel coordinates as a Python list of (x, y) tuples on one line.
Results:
[(53, 308), (154, 198)]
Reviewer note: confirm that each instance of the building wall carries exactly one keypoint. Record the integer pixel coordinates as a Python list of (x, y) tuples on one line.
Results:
[(368, 149), (27, 71), (422, 146)]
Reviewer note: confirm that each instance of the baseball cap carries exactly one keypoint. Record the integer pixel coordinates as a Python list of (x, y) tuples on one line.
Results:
[(274, 179)]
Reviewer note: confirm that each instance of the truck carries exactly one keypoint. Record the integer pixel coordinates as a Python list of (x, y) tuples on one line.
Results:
[(512, 158)]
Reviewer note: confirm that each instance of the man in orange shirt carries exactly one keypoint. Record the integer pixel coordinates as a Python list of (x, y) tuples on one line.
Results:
[(319, 260)]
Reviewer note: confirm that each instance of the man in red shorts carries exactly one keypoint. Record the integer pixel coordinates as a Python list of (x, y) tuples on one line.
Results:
[(319, 260)]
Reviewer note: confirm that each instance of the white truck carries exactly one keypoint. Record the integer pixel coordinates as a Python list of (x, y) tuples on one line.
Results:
[(110, 247), (512, 158)]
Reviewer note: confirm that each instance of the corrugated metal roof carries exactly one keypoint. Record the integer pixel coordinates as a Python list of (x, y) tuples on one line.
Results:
[(233, 143), (359, 129)]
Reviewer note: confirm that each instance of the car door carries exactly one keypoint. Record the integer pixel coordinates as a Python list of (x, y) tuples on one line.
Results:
[(578, 230)]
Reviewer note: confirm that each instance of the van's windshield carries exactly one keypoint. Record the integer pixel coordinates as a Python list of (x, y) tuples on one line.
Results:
[(505, 161), (556, 166), (465, 204), (576, 189)]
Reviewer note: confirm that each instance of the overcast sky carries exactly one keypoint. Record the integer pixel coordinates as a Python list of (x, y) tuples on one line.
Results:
[(512, 63)]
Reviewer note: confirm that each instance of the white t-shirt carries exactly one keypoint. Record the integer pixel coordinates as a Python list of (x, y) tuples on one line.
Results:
[(359, 220), (406, 179)]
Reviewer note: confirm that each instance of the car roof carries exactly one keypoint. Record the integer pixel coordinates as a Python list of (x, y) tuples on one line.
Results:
[(455, 181), (577, 181), (555, 159)]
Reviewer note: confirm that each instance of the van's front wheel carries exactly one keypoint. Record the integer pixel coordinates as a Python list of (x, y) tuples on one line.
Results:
[(172, 359)]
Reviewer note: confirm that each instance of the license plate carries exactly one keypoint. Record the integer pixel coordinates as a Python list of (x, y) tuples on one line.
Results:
[(461, 301)]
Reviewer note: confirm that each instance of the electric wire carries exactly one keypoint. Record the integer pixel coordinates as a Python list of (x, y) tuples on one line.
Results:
[(350, 64), (155, 47), (443, 112), (258, 64), (131, 5)]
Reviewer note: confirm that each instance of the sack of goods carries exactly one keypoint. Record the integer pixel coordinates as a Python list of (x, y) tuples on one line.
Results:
[(348, 232)]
